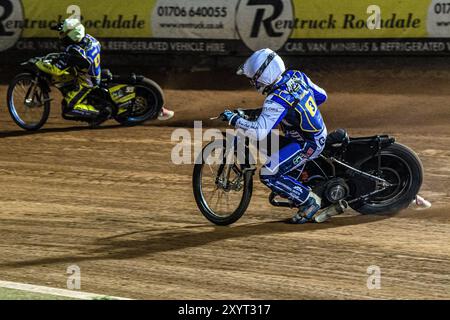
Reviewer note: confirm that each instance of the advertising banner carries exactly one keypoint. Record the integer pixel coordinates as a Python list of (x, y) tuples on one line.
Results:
[(235, 27)]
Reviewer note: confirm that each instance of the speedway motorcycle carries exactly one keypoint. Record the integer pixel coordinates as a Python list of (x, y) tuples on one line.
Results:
[(138, 98), (371, 175)]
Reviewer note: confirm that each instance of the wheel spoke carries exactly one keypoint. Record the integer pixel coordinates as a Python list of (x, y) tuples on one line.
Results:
[(212, 193), (211, 169), (22, 112), (24, 90), (219, 196), (219, 202)]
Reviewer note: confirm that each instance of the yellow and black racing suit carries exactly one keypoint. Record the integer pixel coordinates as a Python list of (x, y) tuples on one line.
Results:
[(84, 57)]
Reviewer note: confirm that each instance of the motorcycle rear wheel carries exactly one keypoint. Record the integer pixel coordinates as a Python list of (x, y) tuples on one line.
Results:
[(150, 98), (400, 166)]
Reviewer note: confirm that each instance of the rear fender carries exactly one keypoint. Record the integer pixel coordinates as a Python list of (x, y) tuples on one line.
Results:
[(360, 149), (130, 79)]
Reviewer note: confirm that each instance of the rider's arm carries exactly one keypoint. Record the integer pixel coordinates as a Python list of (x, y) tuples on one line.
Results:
[(76, 57), (271, 115), (319, 94), (252, 114)]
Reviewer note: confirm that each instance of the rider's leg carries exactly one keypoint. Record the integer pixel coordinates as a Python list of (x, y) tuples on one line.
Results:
[(74, 103), (275, 175)]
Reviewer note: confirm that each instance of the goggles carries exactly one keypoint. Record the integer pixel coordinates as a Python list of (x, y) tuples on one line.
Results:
[(259, 72)]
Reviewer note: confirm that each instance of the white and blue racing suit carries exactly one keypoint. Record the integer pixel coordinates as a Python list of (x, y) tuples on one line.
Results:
[(293, 104)]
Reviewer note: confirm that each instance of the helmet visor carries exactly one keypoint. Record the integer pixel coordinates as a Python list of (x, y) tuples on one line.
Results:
[(263, 67)]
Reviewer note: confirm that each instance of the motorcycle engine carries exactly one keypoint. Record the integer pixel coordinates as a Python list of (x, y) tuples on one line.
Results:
[(336, 189)]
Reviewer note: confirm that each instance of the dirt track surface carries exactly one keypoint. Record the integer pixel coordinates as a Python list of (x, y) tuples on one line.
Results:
[(111, 201)]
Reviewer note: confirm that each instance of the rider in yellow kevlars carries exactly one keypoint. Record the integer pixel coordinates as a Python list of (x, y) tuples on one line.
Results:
[(81, 59)]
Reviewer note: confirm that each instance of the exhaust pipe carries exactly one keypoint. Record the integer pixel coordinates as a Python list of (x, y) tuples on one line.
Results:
[(333, 210)]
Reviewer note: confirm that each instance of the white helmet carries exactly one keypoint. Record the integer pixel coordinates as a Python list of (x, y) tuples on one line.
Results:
[(73, 30), (264, 67)]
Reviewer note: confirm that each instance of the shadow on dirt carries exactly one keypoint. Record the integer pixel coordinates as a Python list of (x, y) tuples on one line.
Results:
[(154, 241)]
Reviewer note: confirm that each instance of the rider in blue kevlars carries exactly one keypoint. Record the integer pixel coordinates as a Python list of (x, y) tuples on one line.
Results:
[(292, 102)]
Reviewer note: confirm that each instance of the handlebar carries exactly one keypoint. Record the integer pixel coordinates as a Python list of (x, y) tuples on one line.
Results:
[(50, 56), (247, 114), (57, 27), (219, 117)]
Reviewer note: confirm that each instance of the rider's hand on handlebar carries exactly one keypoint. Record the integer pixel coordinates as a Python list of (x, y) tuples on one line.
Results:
[(230, 116)]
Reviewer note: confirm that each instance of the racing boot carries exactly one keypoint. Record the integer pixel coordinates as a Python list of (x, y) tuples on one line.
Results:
[(81, 111), (307, 210), (419, 203)]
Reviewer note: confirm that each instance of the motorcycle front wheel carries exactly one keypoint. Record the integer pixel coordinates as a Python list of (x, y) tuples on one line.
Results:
[(28, 103), (222, 189)]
